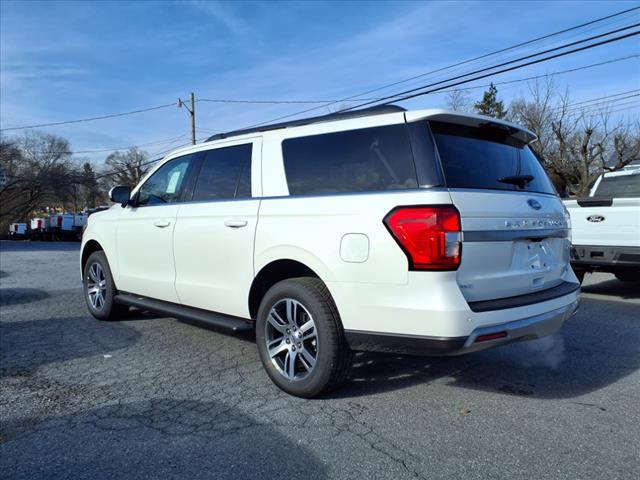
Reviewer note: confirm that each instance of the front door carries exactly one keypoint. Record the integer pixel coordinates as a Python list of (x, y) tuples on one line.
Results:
[(145, 233)]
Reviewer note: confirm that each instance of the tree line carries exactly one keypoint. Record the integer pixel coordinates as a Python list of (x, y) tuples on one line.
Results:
[(575, 143), (38, 172)]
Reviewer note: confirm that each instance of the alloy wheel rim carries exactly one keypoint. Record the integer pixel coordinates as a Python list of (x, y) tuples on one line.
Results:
[(96, 286), (291, 339)]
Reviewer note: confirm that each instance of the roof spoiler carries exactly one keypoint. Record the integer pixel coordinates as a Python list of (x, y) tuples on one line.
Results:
[(470, 120)]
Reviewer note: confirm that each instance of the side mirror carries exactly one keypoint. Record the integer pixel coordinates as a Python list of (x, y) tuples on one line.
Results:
[(120, 194)]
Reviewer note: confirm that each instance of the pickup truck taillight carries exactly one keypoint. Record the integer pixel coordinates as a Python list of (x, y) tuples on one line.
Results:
[(430, 236)]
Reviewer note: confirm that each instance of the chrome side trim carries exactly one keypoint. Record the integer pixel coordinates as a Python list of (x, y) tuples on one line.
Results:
[(509, 235)]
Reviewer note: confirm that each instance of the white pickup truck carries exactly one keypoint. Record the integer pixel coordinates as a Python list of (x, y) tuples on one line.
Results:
[(606, 226)]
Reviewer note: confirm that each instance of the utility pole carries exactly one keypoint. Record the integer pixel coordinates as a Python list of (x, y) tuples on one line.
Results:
[(193, 119), (192, 113)]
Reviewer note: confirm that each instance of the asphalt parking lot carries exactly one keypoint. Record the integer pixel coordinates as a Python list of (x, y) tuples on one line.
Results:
[(152, 397)]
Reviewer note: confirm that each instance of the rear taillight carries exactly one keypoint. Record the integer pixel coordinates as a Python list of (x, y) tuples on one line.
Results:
[(430, 236)]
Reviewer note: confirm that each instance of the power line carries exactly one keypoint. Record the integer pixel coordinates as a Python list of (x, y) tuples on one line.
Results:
[(168, 140), (546, 75), (544, 44), (600, 102), (354, 98), (464, 62), (143, 164), (613, 98), (408, 94), (591, 109), (160, 155), (75, 152), (276, 102), (526, 57), (90, 119), (507, 82), (600, 109), (624, 109)]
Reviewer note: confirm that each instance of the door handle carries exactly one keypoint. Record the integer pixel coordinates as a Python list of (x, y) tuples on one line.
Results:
[(162, 223), (235, 223)]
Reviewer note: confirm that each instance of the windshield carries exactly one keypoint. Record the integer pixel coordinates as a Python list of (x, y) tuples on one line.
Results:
[(488, 158), (620, 186)]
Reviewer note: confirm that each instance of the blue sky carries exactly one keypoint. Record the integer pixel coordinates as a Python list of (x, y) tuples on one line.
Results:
[(66, 60)]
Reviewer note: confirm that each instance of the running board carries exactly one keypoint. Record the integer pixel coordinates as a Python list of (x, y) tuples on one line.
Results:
[(219, 320)]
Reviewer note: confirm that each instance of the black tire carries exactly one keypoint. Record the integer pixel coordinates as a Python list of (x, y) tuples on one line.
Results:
[(580, 274), (627, 276), (333, 357), (107, 309)]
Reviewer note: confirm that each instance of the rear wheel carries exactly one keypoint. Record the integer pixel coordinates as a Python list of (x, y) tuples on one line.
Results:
[(627, 276), (300, 338), (100, 289)]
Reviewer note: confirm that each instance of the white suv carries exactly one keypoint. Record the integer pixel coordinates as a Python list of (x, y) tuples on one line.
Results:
[(426, 232)]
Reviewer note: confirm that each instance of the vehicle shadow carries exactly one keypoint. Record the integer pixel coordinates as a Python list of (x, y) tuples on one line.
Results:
[(37, 246), (159, 438), (18, 296), (27, 345), (626, 290), (596, 348)]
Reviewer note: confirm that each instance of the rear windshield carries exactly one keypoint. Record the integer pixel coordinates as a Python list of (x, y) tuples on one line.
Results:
[(620, 186), (488, 158)]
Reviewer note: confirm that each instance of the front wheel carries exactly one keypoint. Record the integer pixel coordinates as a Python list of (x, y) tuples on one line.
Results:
[(100, 290), (300, 338)]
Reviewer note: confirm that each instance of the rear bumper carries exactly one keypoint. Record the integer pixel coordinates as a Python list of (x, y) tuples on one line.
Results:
[(481, 338), (604, 258)]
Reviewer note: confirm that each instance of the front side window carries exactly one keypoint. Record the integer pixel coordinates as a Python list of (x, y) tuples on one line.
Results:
[(368, 159), (166, 183), (225, 173), (488, 158)]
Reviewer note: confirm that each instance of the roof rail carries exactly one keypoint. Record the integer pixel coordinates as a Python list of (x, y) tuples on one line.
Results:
[(365, 112)]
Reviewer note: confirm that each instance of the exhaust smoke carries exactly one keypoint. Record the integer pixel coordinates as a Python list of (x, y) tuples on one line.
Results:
[(545, 352)]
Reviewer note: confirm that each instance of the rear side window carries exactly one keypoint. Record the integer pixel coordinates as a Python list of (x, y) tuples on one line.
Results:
[(225, 173), (367, 159), (487, 158), (619, 186)]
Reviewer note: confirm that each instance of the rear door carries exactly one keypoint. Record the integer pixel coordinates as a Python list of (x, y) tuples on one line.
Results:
[(215, 230), (515, 236)]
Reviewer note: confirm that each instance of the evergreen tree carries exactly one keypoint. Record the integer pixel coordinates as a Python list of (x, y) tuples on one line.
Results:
[(490, 105), (89, 184)]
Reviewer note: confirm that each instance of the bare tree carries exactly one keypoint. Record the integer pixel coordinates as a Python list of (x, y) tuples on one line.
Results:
[(626, 146), (39, 173), (575, 144), (126, 168), (459, 101)]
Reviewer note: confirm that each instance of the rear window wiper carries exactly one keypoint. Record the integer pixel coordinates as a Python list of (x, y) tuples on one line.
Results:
[(519, 180)]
